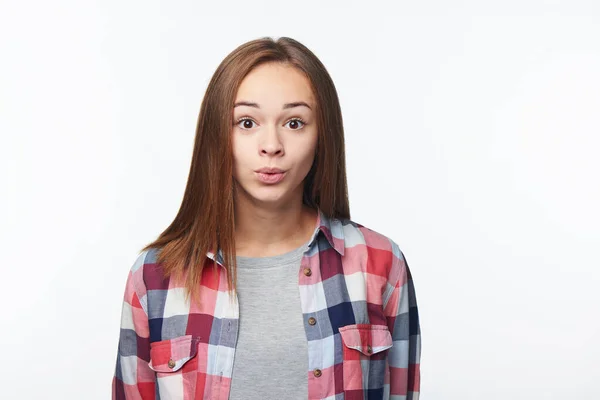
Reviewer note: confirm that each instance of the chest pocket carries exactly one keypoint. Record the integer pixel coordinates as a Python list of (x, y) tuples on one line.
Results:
[(175, 362), (364, 358)]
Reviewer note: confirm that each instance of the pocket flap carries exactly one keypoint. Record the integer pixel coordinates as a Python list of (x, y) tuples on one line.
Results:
[(367, 338), (171, 354)]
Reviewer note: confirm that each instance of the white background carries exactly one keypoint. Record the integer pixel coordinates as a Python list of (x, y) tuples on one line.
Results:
[(471, 139)]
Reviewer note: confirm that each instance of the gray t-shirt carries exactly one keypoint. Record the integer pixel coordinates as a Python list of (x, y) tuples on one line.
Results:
[(271, 356)]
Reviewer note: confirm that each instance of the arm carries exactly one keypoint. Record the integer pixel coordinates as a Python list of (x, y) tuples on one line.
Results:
[(133, 378), (402, 317)]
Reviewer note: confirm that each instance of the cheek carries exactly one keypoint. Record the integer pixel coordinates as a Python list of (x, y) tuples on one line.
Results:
[(312, 148), (238, 160), (238, 151), (308, 156)]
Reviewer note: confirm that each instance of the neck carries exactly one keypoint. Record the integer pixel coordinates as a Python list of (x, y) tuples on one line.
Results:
[(264, 232)]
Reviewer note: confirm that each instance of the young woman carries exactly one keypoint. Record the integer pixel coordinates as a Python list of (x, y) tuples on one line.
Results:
[(262, 287)]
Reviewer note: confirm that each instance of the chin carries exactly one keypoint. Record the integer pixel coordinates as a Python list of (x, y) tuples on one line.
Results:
[(269, 194), (268, 199)]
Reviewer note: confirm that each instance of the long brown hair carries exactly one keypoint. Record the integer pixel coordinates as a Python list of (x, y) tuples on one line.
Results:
[(205, 221)]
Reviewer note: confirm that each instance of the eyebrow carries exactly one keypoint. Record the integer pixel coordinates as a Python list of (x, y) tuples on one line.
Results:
[(285, 106)]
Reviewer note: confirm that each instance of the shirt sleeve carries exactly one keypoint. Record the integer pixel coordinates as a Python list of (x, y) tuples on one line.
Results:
[(133, 378), (402, 316)]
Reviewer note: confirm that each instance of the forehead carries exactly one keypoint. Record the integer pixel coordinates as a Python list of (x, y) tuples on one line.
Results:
[(275, 84)]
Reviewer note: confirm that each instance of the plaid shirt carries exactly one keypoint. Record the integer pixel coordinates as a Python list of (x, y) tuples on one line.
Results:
[(358, 303)]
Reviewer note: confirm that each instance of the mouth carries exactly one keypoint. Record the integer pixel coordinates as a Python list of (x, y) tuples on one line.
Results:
[(271, 177)]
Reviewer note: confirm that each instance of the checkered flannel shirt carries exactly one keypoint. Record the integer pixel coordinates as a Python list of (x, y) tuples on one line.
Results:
[(353, 281)]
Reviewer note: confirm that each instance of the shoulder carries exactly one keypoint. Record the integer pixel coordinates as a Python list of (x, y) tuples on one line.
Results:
[(146, 272), (378, 253)]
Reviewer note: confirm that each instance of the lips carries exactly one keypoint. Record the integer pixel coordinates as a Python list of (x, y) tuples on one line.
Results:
[(270, 170), (270, 178)]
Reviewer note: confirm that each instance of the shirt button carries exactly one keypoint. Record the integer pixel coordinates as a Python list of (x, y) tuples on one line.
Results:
[(317, 372), (307, 272), (369, 349), (171, 364), (312, 321)]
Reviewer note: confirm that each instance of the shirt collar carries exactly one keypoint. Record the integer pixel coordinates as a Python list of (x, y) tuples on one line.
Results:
[(332, 229)]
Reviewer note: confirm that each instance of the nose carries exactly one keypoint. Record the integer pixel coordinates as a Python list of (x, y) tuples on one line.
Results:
[(271, 143)]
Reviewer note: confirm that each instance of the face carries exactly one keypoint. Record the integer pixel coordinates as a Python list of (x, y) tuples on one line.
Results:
[(274, 126)]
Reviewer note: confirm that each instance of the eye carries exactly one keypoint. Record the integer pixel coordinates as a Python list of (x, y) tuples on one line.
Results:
[(244, 120), (295, 121)]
